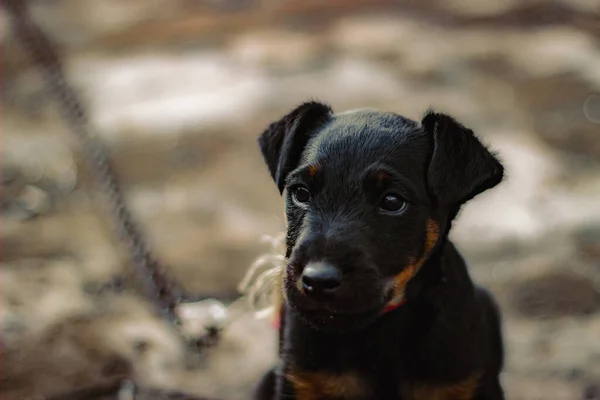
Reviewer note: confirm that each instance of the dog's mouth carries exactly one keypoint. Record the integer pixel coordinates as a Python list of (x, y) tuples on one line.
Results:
[(345, 314), (336, 323)]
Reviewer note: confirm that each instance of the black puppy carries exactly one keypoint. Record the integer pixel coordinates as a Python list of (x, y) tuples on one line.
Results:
[(378, 302)]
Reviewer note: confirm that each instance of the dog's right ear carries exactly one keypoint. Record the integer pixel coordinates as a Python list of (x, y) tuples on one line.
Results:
[(282, 143)]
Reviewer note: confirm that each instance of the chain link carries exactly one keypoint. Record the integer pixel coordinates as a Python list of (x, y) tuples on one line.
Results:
[(151, 274)]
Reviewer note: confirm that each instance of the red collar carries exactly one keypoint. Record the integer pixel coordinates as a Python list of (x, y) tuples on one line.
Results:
[(392, 307), (387, 309)]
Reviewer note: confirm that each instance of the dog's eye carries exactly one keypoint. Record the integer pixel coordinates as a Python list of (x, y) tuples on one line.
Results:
[(301, 195), (392, 203)]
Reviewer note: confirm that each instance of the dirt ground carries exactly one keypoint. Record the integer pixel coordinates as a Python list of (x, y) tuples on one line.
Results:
[(179, 90)]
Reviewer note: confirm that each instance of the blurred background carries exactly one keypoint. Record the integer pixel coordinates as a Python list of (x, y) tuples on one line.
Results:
[(179, 90)]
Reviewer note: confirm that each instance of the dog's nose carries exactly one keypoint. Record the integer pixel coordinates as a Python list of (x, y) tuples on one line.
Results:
[(321, 279)]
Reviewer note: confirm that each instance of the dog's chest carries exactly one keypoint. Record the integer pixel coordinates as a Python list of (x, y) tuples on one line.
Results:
[(335, 371), (322, 366), (319, 385), (362, 369), (315, 385)]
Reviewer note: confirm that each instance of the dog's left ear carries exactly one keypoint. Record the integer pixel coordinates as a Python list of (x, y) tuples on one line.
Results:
[(282, 143), (461, 167)]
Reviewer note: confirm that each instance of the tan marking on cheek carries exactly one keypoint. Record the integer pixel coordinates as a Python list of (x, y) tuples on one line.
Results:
[(321, 385), (312, 170), (461, 390), (406, 275), (432, 234)]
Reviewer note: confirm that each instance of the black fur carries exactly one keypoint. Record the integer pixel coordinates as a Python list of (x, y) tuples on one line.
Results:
[(448, 329)]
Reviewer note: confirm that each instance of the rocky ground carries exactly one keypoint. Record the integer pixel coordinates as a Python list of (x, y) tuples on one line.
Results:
[(179, 90)]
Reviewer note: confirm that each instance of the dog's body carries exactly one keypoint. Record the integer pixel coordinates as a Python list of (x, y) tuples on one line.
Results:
[(378, 302)]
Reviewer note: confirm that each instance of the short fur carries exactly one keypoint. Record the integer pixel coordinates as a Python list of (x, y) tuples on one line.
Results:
[(444, 341)]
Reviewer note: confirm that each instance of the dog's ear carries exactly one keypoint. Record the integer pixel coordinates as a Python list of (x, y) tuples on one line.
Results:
[(282, 143), (461, 167)]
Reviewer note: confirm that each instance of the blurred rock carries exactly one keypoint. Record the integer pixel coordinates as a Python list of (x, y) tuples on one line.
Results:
[(591, 108), (76, 22), (124, 390), (556, 295), (375, 37), (476, 8), (587, 241), (582, 14), (556, 107), (36, 175), (535, 388), (64, 358), (174, 158), (553, 51), (278, 52), (591, 392)]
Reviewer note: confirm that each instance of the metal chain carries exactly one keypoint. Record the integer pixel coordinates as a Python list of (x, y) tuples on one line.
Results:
[(151, 274)]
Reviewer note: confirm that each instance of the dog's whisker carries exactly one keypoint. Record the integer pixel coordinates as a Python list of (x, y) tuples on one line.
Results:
[(264, 261), (258, 284), (265, 286), (264, 264)]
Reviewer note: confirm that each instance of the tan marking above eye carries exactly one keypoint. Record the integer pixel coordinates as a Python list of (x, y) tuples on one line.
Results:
[(382, 175), (312, 170)]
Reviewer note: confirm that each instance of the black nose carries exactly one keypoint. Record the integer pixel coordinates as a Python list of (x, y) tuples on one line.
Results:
[(321, 279)]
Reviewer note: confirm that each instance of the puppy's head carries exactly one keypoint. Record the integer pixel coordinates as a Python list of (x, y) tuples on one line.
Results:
[(369, 196)]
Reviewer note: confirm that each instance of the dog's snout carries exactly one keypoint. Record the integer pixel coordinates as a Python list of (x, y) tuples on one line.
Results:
[(321, 280)]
